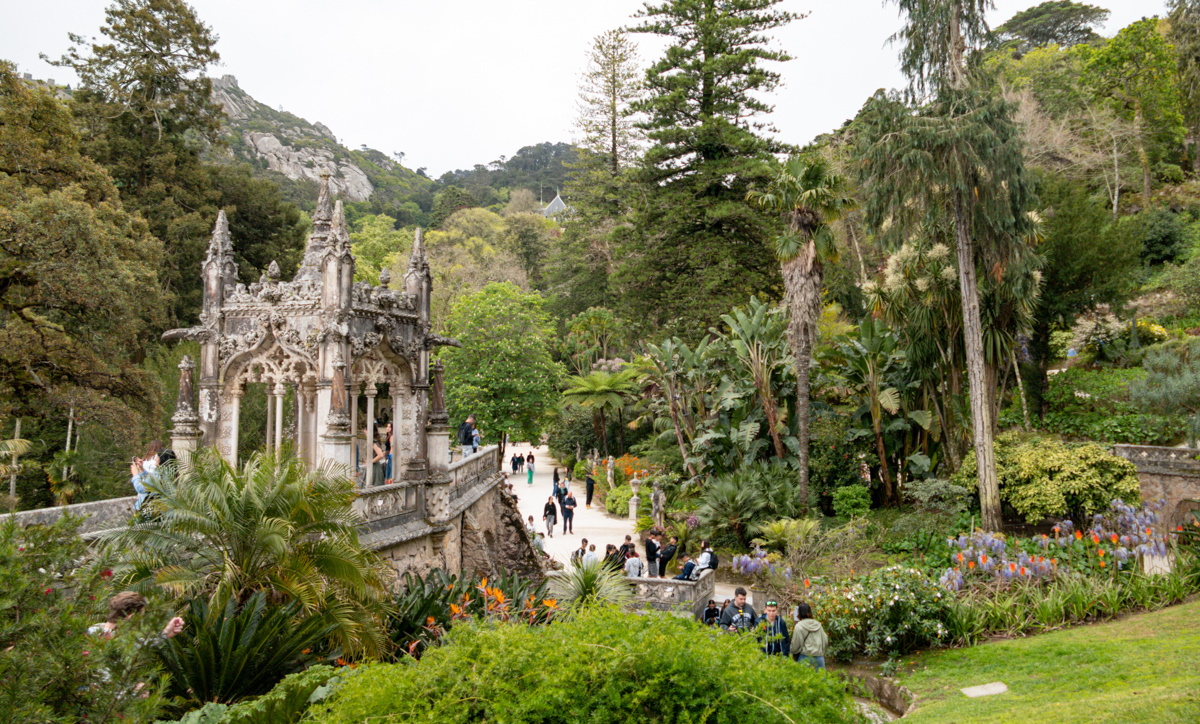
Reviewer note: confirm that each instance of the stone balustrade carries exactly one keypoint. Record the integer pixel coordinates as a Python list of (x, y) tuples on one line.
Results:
[(1169, 474), (669, 594)]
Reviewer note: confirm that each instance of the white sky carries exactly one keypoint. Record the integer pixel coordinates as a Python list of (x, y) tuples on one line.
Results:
[(453, 83)]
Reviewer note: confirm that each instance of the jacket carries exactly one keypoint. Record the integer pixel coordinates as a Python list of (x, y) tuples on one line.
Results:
[(651, 550), (549, 511), (742, 619), (686, 573), (633, 567), (466, 434), (668, 552), (774, 636), (568, 505), (809, 638)]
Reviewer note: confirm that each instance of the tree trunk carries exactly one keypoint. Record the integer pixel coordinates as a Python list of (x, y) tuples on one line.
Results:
[(1021, 389), (802, 280), (677, 422), (985, 456), (1143, 157), (881, 450)]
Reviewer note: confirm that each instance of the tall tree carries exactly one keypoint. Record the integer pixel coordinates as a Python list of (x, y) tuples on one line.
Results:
[(1055, 22), (610, 86), (601, 391), (145, 108), (1185, 36), (957, 157), (1136, 70), (810, 197), (700, 248)]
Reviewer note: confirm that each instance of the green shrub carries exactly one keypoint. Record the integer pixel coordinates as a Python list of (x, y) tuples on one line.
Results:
[(1042, 477), (939, 495), (893, 610), (581, 470), (284, 704), (851, 501), (617, 501), (834, 459), (600, 666)]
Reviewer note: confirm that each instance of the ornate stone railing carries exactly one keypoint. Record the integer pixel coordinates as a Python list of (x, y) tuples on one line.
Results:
[(1153, 459), (382, 505), (467, 472)]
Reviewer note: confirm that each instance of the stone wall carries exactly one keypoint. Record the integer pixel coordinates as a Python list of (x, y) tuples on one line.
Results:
[(97, 517), (1169, 474)]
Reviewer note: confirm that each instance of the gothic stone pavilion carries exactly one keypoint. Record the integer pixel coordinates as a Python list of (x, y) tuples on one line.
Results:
[(323, 337)]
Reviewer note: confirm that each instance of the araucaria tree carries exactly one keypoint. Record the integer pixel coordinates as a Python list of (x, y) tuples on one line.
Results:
[(957, 160), (809, 196), (610, 86), (699, 247)]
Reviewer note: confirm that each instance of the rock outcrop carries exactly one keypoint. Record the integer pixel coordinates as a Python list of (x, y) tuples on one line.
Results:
[(306, 163)]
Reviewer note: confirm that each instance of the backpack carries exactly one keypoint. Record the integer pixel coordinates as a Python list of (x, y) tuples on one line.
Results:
[(713, 561)]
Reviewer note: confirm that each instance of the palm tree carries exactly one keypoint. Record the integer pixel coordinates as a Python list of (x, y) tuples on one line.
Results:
[(957, 158), (276, 526), (757, 337), (810, 196), (601, 391)]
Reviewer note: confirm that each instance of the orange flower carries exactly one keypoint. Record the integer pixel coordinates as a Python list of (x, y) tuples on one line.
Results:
[(960, 557), (1100, 552), (1095, 539), (1102, 564), (970, 564), (1012, 567), (1054, 561), (1023, 571), (1147, 531), (1078, 535), (1113, 537), (1179, 528), (806, 583), (431, 620), (983, 559)]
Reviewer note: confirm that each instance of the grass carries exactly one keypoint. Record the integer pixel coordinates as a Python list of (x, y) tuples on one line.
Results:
[(1142, 668)]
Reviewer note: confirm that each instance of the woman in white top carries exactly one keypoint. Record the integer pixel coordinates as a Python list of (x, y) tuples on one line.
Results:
[(633, 565)]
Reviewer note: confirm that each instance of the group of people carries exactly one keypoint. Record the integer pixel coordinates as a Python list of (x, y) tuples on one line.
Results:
[(807, 640), (380, 470), (145, 470), (469, 437), (525, 463), (561, 500)]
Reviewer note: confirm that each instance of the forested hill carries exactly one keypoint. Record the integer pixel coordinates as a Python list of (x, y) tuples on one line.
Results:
[(295, 153)]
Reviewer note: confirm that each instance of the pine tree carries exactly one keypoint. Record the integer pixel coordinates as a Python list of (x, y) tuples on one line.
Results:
[(698, 247), (610, 86), (957, 158)]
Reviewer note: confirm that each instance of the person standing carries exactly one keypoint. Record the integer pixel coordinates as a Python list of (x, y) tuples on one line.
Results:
[(633, 566), (613, 558), (809, 639), (626, 548), (513, 462), (567, 503), (528, 473), (388, 473), (578, 554), (556, 478), (590, 558), (466, 435), (772, 631), (377, 463), (590, 484), (652, 547), (738, 616), (550, 516), (664, 558)]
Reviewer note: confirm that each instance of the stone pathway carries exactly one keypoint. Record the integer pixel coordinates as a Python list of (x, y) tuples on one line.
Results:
[(595, 525)]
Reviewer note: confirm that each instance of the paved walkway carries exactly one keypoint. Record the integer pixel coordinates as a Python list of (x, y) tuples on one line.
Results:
[(595, 525)]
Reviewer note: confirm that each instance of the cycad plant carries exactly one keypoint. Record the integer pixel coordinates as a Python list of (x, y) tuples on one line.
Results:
[(733, 504), (591, 583), (277, 526), (811, 197)]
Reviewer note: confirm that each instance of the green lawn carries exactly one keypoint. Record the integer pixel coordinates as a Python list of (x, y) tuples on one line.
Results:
[(1143, 668)]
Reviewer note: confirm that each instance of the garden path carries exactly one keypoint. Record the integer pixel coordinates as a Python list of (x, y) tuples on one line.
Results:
[(596, 525)]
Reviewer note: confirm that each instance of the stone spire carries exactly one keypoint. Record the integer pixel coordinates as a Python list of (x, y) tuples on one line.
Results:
[(220, 246), (185, 409), (417, 260), (318, 239), (339, 237), (218, 270)]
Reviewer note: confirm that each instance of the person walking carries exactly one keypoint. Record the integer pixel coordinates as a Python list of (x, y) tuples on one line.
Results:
[(528, 474), (556, 478), (550, 516), (773, 632), (567, 503), (652, 548), (633, 566), (738, 616), (590, 485), (513, 462), (668, 552), (809, 639), (626, 548)]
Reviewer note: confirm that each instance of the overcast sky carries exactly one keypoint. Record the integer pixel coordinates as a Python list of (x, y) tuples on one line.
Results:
[(452, 83)]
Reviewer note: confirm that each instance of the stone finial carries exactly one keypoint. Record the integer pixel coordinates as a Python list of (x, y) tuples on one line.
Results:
[(338, 234), (385, 278), (437, 395), (220, 246), (338, 417), (417, 259), (324, 210), (273, 271)]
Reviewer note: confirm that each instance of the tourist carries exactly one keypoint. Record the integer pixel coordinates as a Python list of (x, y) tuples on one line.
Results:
[(529, 460), (476, 440), (809, 639), (711, 612), (377, 460), (707, 559), (613, 558), (520, 463), (578, 554), (560, 492), (515, 465), (550, 516), (590, 485), (144, 472), (567, 502), (633, 566), (688, 566), (590, 558), (531, 527), (772, 631), (466, 435), (739, 615), (652, 548), (627, 548), (124, 606), (539, 542), (529, 475), (556, 479), (389, 473), (664, 558)]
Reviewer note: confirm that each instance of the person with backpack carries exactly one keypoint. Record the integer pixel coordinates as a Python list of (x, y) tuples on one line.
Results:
[(707, 559), (738, 616), (809, 639), (688, 566), (578, 554), (773, 632)]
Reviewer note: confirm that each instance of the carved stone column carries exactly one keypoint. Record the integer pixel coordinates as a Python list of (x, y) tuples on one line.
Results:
[(437, 436), (335, 442), (235, 419), (280, 391), (635, 484), (371, 391), (185, 435)]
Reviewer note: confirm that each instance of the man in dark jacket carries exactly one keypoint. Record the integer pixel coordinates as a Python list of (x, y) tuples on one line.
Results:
[(591, 489), (773, 631), (466, 435), (688, 566), (738, 616), (652, 554), (668, 552)]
